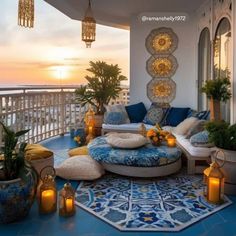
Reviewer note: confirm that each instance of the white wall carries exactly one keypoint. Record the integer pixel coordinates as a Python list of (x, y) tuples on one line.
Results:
[(186, 54)]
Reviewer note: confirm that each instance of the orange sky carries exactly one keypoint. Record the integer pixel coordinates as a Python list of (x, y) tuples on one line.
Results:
[(52, 52)]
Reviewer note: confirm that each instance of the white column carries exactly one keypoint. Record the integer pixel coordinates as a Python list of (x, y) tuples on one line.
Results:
[(233, 117)]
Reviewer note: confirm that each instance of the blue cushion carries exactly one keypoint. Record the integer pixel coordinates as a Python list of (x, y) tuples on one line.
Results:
[(176, 115), (202, 115), (154, 115), (114, 118), (136, 112), (201, 139)]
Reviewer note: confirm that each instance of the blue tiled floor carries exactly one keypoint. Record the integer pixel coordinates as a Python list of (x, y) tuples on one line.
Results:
[(84, 224)]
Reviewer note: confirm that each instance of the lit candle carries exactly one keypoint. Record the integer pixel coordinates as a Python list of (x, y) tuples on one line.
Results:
[(90, 129), (214, 190), (69, 205), (171, 142), (48, 200)]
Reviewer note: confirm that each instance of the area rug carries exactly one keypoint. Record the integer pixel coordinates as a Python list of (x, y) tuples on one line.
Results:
[(131, 204)]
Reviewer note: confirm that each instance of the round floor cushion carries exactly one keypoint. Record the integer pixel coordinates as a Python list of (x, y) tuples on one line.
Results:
[(126, 140), (145, 156)]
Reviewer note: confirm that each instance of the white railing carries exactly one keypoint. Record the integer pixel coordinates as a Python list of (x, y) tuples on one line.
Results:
[(46, 110)]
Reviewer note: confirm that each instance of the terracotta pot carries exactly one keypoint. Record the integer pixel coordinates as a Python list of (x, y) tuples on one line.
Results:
[(228, 169), (215, 113)]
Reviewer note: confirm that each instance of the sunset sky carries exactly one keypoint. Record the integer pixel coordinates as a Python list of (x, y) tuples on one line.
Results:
[(53, 48)]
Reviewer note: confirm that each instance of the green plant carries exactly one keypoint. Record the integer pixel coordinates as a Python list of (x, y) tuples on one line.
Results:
[(13, 157), (102, 86), (222, 134), (218, 89)]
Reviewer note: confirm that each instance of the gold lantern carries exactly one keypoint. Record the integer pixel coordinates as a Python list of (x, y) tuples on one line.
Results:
[(171, 140), (143, 130), (47, 191), (89, 124), (26, 13), (67, 201), (88, 27), (214, 180)]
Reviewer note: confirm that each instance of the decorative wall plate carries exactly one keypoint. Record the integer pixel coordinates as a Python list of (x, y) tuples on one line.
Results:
[(161, 90), (162, 41), (162, 66)]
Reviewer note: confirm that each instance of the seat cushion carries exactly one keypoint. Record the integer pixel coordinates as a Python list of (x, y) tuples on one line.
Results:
[(176, 115), (136, 112), (132, 127), (126, 140), (36, 152), (78, 151), (154, 115), (80, 168)]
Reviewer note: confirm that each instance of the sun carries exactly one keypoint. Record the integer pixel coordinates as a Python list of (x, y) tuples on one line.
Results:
[(60, 72)]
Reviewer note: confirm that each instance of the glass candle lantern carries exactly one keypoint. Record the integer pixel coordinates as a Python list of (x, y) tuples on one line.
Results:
[(67, 201), (171, 140), (89, 124), (214, 180), (47, 193)]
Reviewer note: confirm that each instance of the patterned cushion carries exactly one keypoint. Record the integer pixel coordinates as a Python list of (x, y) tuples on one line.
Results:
[(154, 115), (202, 115), (201, 139), (145, 156), (114, 118), (196, 128), (118, 108), (136, 112)]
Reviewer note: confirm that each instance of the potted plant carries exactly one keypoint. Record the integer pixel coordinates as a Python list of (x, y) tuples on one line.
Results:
[(223, 135), (217, 90), (103, 85), (18, 181)]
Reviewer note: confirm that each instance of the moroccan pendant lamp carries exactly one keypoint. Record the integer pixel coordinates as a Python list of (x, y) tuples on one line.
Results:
[(26, 13), (88, 27)]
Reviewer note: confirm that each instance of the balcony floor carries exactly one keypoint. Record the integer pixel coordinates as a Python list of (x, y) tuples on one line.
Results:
[(85, 224)]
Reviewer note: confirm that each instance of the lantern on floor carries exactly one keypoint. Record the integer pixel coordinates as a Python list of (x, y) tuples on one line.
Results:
[(88, 27), (214, 180), (89, 124), (47, 191), (67, 201), (142, 130), (171, 140), (26, 13)]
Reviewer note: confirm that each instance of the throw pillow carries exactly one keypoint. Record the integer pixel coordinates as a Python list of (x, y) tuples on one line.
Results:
[(114, 118), (201, 139), (78, 151), (202, 115), (196, 128), (185, 125), (136, 112), (37, 152), (176, 115), (118, 108), (80, 168), (154, 115)]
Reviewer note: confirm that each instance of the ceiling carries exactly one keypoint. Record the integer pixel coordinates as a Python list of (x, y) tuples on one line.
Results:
[(118, 13)]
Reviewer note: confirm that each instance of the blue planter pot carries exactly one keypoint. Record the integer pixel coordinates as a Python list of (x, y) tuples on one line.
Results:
[(16, 198)]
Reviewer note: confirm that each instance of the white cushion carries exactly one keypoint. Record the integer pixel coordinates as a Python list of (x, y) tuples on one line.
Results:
[(126, 140), (185, 125), (125, 127), (81, 167)]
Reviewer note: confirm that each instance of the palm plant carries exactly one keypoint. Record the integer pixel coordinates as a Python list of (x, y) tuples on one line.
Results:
[(13, 158), (102, 86)]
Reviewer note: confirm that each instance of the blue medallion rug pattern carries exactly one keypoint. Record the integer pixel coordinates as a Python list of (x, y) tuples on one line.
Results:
[(132, 204)]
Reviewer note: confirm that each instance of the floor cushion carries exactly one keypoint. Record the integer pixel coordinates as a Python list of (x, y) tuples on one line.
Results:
[(183, 127), (176, 115), (80, 168), (154, 115), (118, 108), (136, 112), (78, 151), (126, 140), (36, 151)]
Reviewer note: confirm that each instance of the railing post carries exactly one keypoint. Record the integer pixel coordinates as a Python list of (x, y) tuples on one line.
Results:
[(62, 112)]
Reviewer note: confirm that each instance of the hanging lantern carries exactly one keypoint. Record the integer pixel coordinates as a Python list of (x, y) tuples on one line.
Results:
[(88, 27), (143, 130), (214, 180), (47, 191), (171, 140), (26, 13), (67, 201)]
